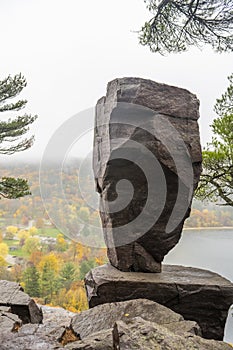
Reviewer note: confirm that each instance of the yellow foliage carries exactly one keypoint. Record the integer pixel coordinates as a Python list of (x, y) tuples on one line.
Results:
[(99, 260), (2, 262), (33, 230), (74, 300), (31, 244), (23, 234), (52, 262), (102, 257), (61, 242), (3, 249), (12, 229), (80, 251), (22, 284)]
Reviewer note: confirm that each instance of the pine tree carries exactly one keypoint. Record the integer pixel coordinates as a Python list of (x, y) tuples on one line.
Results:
[(67, 275), (217, 176), (49, 283), (85, 267), (11, 132), (177, 24), (31, 279)]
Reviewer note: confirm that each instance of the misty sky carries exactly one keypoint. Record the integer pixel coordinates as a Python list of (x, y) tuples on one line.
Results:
[(69, 50)]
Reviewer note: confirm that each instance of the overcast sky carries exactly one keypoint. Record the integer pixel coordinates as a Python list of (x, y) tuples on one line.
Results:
[(69, 50)]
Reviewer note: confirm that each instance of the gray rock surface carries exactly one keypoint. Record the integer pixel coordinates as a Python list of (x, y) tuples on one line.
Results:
[(52, 334), (184, 326), (53, 316), (29, 337), (142, 226), (104, 316), (13, 296), (9, 322), (141, 334), (198, 295), (97, 341), (128, 332)]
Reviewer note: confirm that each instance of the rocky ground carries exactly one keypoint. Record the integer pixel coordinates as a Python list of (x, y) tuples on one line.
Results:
[(135, 324)]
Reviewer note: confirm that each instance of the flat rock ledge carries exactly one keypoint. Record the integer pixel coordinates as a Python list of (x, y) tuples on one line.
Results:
[(198, 295)]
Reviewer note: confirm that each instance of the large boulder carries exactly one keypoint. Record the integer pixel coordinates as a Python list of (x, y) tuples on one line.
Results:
[(103, 317), (196, 294), (13, 296), (137, 333), (147, 163)]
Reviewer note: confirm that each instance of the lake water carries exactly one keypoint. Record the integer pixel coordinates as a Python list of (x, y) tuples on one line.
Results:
[(210, 249)]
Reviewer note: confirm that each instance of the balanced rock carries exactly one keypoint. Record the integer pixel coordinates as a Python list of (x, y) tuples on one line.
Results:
[(147, 163), (198, 295)]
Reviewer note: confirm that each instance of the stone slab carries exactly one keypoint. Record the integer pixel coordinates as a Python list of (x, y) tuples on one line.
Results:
[(198, 295)]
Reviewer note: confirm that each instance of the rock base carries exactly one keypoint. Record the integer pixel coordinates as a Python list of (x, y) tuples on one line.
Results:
[(198, 295)]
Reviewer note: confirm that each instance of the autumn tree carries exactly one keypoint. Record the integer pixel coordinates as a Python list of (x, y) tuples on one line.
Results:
[(22, 235), (49, 267), (61, 244), (11, 232), (79, 251), (33, 231), (3, 250), (217, 177), (177, 24), (52, 261), (31, 244), (74, 299), (12, 131)]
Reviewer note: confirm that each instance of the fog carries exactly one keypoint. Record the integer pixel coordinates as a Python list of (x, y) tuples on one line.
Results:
[(69, 50)]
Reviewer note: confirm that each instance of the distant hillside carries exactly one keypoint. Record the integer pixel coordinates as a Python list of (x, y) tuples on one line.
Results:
[(79, 196)]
